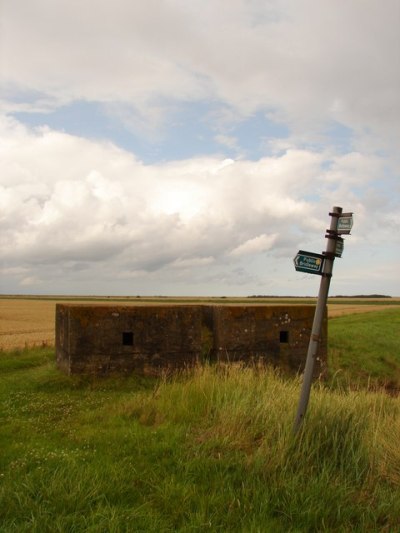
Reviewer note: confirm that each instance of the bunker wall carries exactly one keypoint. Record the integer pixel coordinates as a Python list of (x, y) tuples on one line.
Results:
[(101, 339), (277, 335)]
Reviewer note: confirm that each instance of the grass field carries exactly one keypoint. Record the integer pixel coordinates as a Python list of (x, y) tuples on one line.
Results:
[(207, 451), (365, 350), (210, 450), (29, 321)]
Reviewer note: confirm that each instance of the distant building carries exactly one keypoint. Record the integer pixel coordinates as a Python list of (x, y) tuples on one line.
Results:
[(102, 339)]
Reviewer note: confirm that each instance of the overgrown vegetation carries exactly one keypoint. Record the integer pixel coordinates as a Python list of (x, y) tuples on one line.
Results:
[(209, 450)]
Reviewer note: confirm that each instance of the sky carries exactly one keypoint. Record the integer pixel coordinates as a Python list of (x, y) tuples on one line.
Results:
[(182, 148)]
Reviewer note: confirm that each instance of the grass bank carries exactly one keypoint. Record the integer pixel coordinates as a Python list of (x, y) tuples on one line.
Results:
[(364, 350), (210, 450)]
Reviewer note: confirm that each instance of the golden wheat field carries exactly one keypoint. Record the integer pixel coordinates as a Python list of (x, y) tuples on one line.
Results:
[(31, 322)]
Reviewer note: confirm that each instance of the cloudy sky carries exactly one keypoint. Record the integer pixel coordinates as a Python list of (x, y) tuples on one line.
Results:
[(175, 147)]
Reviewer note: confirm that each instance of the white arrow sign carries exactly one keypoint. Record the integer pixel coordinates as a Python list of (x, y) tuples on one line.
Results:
[(345, 223)]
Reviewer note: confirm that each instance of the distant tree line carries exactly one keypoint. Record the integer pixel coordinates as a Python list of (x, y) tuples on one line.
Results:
[(364, 296), (275, 296), (337, 296)]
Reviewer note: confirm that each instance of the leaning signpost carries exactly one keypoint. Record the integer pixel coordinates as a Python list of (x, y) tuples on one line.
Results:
[(322, 264)]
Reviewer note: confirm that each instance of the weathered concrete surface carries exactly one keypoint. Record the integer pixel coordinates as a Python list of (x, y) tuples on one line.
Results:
[(277, 335), (101, 339)]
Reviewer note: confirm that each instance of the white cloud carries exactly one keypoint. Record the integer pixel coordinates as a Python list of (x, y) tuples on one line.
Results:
[(229, 141), (30, 281), (77, 211), (258, 244), (303, 61), (74, 209), (192, 263)]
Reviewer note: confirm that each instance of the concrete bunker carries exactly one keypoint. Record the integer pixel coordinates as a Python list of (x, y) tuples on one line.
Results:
[(102, 339)]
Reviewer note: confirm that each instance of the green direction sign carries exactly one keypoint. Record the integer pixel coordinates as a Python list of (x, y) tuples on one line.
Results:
[(309, 262), (339, 247), (345, 223)]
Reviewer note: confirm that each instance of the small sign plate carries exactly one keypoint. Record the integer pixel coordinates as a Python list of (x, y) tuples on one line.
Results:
[(339, 247), (345, 223), (309, 262)]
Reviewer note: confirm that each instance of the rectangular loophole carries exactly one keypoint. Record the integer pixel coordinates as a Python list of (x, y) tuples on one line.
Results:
[(283, 337), (127, 338)]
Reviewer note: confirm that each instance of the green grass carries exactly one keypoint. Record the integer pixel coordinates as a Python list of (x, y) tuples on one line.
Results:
[(365, 349), (210, 450)]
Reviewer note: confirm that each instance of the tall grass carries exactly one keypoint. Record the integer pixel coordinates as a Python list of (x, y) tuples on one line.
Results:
[(209, 450)]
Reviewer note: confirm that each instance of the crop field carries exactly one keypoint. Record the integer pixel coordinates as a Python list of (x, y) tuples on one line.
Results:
[(30, 321)]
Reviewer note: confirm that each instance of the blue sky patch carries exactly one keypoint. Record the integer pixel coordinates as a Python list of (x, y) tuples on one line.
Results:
[(190, 130)]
